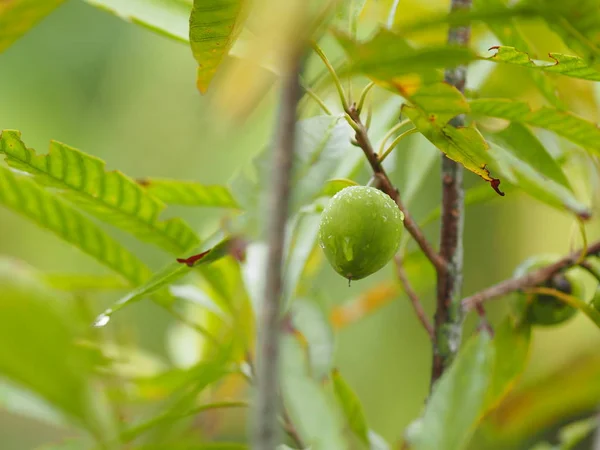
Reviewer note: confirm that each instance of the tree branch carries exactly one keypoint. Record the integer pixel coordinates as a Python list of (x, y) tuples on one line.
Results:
[(448, 315), (363, 141), (414, 299), (528, 280), (266, 425)]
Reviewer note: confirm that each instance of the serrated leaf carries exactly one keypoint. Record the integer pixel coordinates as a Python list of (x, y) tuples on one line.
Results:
[(511, 345), (189, 193), (528, 179), (351, 406), (565, 124), (306, 401), (576, 22), (167, 17), (38, 329), (110, 196), (166, 276), (457, 398), (387, 56), (510, 35), (571, 66), (214, 27), (464, 145), (26, 197), (17, 17)]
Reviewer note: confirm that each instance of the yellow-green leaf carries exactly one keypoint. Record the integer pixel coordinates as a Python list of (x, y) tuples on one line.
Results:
[(167, 17), (457, 399), (110, 196), (26, 197), (351, 406), (565, 124), (189, 193), (571, 66), (18, 16), (214, 27)]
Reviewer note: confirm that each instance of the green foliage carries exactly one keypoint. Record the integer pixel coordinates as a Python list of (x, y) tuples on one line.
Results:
[(351, 406), (571, 66), (167, 275), (189, 193), (39, 329), (308, 405), (18, 16), (166, 17), (457, 399), (214, 27), (110, 196), (563, 123), (26, 197)]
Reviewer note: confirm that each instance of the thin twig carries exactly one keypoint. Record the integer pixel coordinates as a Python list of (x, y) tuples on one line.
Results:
[(291, 430), (528, 280), (362, 138), (267, 404), (414, 299), (395, 142), (448, 314)]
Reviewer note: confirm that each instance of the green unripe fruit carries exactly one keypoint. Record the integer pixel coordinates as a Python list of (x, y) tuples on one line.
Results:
[(360, 231), (542, 309)]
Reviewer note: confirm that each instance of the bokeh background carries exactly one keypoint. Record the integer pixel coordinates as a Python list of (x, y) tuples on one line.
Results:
[(128, 96)]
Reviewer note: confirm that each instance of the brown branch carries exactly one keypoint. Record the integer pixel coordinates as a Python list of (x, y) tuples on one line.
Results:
[(414, 299), (528, 280), (384, 183), (267, 404), (448, 314)]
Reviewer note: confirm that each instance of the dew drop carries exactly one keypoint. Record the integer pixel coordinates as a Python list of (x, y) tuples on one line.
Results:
[(102, 320)]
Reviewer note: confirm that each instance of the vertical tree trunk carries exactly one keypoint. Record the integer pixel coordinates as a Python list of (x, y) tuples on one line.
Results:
[(448, 316), (266, 426)]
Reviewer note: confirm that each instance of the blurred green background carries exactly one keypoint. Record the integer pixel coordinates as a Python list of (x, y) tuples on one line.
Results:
[(128, 96)]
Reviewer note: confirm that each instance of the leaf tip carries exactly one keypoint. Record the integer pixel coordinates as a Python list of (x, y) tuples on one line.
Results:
[(495, 183), (192, 260)]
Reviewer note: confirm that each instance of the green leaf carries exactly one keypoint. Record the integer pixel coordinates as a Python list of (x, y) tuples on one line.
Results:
[(527, 178), (434, 106), (307, 403), (172, 416), (26, 197), (316, 329), (167, 17), (334, 186), (189, 193), (166, 276), (565, 124), (511, 357), (17, 17), (110, 196), (38, 329), (305, 232), (576, 22), (457, 398), (387, 56), (572, 434), (195, 446), (214, 27), (532, 151), (77, 282), (351, 406), (510, 34), (571, 66)]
